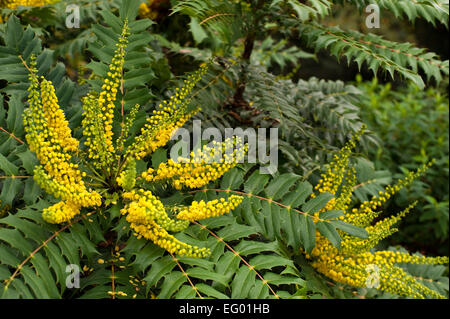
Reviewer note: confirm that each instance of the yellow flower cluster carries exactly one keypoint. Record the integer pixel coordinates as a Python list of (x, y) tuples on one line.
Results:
[(171, 115), (145, 11), (156, 139), (126, 129), (353, 263), (145, 207), (148, 218), (99, 110), (14, 4), (345, 194), (214, 208), (67, 188), (366, 212), (382, 229), (332, 179), (127, 178), (162, 238), (356, 270), (60, 212), (205, 165), (55, 119), (49, 136)]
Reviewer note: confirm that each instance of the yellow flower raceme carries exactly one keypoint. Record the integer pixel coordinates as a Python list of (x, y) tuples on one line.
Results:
[(204, 165), (144, 207), (162, 238), (366, 213), (14, 4), (214, 208), (332, 179), (66, 189), (171, 114), (334, 176), (148, 218), (353, 267), (61, 212), (127, 178), (352, 262), (355, 270), (126, 129), (55, 119), (381, 230), (99, 109), (49, 136), (158, 138)]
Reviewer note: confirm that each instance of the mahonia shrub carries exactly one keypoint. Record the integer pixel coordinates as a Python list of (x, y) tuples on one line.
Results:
[(113, 166), (349, 260), (101, 194)]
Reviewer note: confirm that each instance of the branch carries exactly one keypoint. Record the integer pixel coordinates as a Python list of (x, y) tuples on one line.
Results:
[(16, 272), (12, 135), (259, 197), (186, 275), (237, 255)]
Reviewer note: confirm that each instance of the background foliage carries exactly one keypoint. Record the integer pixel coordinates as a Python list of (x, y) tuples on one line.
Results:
[(425, 115)]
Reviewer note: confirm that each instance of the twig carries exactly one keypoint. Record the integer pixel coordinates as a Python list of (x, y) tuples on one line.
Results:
[(237, 254), (4, 177), (12, 135), (259, 197), (215, 16), (186, 275), (113, 278), (39, 248)]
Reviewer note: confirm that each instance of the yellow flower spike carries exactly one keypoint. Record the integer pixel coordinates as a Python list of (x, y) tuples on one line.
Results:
[(55, 118), (145, 208), (353, 263), (214, 208), (67, 191), (52, 142), (148, 218), (14, 4), (203, 166), (162, 238), (381, 230), (127, 178), (166, 119), (334, 175), (354, 271), (99, 109), (60, 212), (366, 213)]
